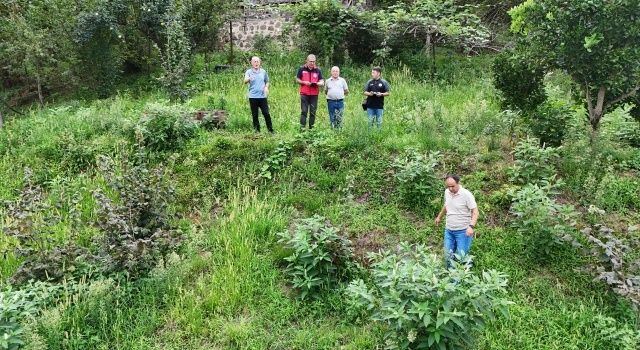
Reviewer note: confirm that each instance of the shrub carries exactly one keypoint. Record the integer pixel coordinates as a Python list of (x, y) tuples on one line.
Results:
[(137, 226), (549, 122), (542, 222), (533, 165), (417, 181), (426, 305), (615, 260), (176, 58), (165, 127), (277, 160), (320, 257), (521, 84)]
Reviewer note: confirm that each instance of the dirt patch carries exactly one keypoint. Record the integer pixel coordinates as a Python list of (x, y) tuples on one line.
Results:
[(364, 198), (371, 242)]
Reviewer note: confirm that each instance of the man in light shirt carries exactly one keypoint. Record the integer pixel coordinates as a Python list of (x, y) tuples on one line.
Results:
[(336, 88), (258, 81), (462, 216)]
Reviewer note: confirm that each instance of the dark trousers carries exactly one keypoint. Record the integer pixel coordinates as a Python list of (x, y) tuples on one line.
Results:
[(261, 103), (308, 104)]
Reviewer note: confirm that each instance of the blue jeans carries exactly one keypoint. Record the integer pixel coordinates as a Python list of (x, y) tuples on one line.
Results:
[(375, 114), (456, 242), (336, 109)]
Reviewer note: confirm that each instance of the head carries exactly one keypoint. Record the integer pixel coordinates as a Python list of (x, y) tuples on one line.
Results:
[(452, 182), (311, 61), (335, 72), (376, 72), (255, 62)]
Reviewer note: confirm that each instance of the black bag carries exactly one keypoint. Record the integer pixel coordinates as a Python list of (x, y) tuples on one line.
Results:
[(364, 104)]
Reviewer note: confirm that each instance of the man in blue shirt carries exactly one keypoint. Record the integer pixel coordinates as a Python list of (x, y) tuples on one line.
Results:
[(258, 81)]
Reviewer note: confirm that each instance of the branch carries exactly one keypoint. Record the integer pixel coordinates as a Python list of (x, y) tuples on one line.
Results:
[(630, 93)]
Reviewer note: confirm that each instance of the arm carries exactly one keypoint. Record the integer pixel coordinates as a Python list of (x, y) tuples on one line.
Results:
[(247, 78), (439, 217), (300, 81), (475, 213)]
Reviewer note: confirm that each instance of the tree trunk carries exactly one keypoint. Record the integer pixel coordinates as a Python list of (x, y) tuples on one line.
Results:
[(230, 41), (1, 120), (40, 97)]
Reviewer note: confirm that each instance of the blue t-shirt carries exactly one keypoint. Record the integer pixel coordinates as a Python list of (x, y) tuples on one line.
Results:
[(256, 86)]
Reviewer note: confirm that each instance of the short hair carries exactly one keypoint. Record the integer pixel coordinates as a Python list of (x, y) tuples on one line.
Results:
[(455, 178), (377, 69)]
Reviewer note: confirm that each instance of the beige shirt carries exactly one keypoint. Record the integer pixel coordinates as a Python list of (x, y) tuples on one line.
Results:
[(459, 207)]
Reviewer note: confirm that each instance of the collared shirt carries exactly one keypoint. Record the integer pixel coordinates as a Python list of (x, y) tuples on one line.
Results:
[(459, 207), (260, 80), (335, 88)]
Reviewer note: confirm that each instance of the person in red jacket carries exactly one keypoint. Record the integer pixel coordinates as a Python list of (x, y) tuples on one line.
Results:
[(310, 79)]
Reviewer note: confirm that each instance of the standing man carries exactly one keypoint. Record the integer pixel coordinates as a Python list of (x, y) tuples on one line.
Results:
[(462, 216), (258, 81), (375, 90), (309, 78), (336, 89)]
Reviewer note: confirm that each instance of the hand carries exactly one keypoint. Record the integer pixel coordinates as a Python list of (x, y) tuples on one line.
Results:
[(378, 93), (470, 231), (437, 220), (307, 83)]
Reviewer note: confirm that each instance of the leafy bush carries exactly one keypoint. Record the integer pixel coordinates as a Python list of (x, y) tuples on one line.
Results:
[(521, 85), (320, 257), (176, 58), (18, 306), (615, 259), (548, 122), (276, 161), (165, 127), (137, 226), (542, 222), (622, 127), (416, 177), (425, 305), (533, 165)]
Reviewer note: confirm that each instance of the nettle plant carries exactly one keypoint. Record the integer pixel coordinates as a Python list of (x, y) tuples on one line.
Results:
[(320, 256), (137, 225), (543, 223), (424, 304), (276, 161), (533, 164), (416, 177), (164, 128)]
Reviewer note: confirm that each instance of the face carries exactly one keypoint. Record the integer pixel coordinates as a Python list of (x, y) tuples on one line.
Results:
[(451, 185), (375, 74), (335, 72), (255, 62), (311, 61)]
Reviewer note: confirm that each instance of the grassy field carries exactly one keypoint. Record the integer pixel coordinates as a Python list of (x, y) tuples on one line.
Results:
[(225, 288)]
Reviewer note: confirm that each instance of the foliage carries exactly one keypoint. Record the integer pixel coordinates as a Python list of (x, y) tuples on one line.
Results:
[(18, 306), (620, 126), (99, 39), (614, 259), (618, 193), (598, 52), (521, 84), (533, 164), (276, 161), (176, 58), (548, 122), (30, 220), (425, 305), (164, 128), (416, 177), (320, 256), (137, 226), (542, 222)]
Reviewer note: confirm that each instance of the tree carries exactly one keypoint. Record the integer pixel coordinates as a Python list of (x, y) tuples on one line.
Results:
[(596, 42)]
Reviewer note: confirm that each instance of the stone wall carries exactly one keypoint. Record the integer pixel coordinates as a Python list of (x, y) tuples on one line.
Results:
[(257, 21)]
